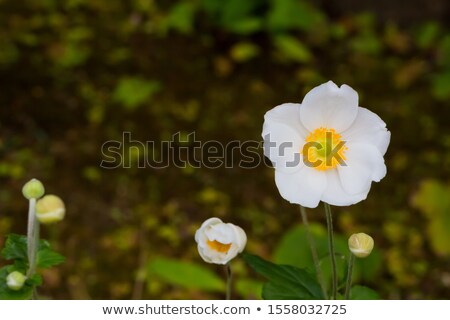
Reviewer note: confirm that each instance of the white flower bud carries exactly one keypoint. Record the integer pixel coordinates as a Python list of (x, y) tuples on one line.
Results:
[(33, 189), (219, 242), (50, 209), (15, 280), (360, 244)]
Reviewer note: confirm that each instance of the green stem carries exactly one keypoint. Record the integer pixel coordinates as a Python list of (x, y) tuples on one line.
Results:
[(313, 252), (31, 250), (229, 281), (331, 249), (32, 240), (351, 262)]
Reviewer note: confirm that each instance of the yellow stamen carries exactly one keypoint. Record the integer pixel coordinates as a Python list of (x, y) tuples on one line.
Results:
[(218, 246), (324, 149)]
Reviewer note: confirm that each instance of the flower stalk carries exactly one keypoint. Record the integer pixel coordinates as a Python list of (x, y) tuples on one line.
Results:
[(229, 281), (32, 190), (313, 252), (32, 237), (351, 262), (331, 249), (32, 241)]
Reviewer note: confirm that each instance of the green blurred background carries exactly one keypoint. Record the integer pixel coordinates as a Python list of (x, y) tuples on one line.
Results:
[(76, 73)]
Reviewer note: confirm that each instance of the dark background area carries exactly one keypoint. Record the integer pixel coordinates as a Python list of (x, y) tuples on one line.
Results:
[(78, 73)]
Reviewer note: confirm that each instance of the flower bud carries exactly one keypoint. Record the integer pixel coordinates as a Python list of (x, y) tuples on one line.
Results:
[(15, 280), (50, 209), (360, 244), (33, 189), (219, 242)]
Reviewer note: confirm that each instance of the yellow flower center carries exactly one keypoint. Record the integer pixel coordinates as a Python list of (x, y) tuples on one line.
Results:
[(219, 246), (324, 149)]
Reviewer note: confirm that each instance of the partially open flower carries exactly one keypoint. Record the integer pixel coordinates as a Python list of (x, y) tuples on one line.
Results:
[(50, 209), (33, 189), (360, 244), (219, 242), (15, 280)]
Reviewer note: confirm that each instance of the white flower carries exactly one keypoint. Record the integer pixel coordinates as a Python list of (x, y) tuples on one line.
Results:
[(325, 149), (219, 242)]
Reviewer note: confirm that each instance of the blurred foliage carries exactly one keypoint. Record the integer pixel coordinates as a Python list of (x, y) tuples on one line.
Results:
[(131, 92), (186, 274), (77, 73), (363, 293), (433, 200)]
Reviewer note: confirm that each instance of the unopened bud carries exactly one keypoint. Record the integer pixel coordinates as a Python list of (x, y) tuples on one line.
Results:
[(50, 209), (33, 189), (360, 244), (15, 280)]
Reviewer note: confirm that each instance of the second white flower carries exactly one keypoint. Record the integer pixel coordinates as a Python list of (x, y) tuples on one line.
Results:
[(219, 242)]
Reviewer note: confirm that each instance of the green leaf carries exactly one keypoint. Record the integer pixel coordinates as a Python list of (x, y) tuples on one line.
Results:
[(47, 258), (21, 265), (15, 247), (131, 92), (236, 11), (185, 274), (293, 248), (284, 280), (212, 6), (292, 48), (73, 54), (35, 280), (367, 43), (249, 289), (368, 268), (237, 16), (427, 34), (293, 14), (244, 51), (443, 52), (363, 293), (284, 291), (433, 201), (440, 87), (246, 26), (180, 18), (9, 53)]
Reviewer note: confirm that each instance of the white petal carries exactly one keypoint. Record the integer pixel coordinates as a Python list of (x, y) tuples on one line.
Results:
[(210, 222), (364, 164), (223, 233), (200, 233), (329, 106), (284, 136), (202, 252), (287, 114), (335, 194), (368, 128), (241, 238), (304, 187)]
